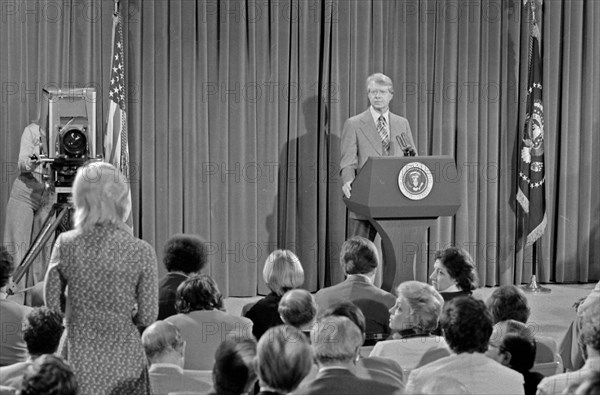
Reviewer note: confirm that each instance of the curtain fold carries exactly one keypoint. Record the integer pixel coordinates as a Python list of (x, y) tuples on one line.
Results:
[(236, 110)]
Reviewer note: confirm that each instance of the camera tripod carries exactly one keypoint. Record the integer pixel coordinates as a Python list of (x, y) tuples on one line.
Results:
[(60, 223)]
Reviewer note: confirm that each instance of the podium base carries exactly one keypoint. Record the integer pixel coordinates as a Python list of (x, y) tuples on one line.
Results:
[(534, 287)]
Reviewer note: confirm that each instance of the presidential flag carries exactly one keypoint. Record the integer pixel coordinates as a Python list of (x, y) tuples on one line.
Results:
[(116, 146), (531, 193)]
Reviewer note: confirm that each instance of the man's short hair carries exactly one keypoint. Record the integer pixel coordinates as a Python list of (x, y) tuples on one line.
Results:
[(234, 372), (349, 310), (425, 303), (185, 253), (297, 308), (198, 293), (467, 324), (284, 358), (522, 351), (589, 335), (336, 339), (42, 331), (508, 302), (460, 266), (49, 375), (6, 266), (381, 79), (283, 271), (359, 256), (161, 338)]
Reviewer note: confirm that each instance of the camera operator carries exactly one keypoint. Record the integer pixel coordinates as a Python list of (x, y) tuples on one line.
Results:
[(30, 201)]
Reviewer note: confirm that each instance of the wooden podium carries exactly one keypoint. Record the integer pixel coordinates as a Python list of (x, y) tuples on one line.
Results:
[(402, 197)]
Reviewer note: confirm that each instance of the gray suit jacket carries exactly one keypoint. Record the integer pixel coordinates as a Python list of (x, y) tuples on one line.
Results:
[(166, 379), (360, 140)]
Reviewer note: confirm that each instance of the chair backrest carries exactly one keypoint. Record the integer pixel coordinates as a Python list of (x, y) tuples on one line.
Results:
[(204, 375), (246, 308), (546, 349)]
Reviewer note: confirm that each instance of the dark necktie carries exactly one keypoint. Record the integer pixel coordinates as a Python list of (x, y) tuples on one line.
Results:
[(383, 133)]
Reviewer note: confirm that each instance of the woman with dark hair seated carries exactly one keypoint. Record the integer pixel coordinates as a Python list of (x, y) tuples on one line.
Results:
[(203, 322), (412, 319), (454, 273)]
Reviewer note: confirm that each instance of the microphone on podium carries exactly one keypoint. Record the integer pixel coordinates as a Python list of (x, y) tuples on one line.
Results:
[(405, 145)]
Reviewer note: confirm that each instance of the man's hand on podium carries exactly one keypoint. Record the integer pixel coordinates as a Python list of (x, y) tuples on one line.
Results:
[(347, 188)]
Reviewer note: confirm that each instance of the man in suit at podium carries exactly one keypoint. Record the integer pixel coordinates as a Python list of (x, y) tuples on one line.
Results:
[(374, 132)]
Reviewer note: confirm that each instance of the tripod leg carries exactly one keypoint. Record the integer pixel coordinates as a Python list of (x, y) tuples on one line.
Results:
[(40, 241)]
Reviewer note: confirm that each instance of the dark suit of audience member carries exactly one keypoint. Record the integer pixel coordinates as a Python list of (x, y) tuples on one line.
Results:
[(336, 342), (467, 326), (282, 272), (234, 372), (165, 350), (203, 323), (184, 256), (42, 330), (374, 132), (359, 259), (284, 358), (12, 345)]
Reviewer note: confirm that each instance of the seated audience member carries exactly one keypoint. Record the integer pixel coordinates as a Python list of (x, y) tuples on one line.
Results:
[(298, 309), (42, 330), (589, 386), (444, 385), (589, 337), (571, 353), (184, 256), (509, 302), (282, 272), (203, 323), (413, 319), (49, 375), (165, 351), (336, 342), (234, 371), (12, 345), (383, 370), (517, 351), (467, 326), (454, 273), (359, 259), (284, 358)]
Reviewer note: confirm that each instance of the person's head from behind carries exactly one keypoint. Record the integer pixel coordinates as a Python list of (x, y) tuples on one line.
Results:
[(380, 91), (6, 266), (185, 253), (518, 352), (500, 331), (198, 293), (336, 340), (453, 267), (508, 302), (100, 196), (589, 334), (284, 358), (298, 308), (42, 330), (466, 324), (359, 256), (49, 375), (283, 271), (163, 344), (418, 307), (349, 310), (233, 371)]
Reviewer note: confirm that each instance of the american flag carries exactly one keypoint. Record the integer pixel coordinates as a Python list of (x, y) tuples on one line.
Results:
[(531, 193), (116, 146)]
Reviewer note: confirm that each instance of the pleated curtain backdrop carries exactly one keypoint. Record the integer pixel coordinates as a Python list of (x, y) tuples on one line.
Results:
[(236, 110)]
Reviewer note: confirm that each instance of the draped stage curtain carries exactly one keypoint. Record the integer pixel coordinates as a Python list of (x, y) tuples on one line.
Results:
[(236, 110)]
